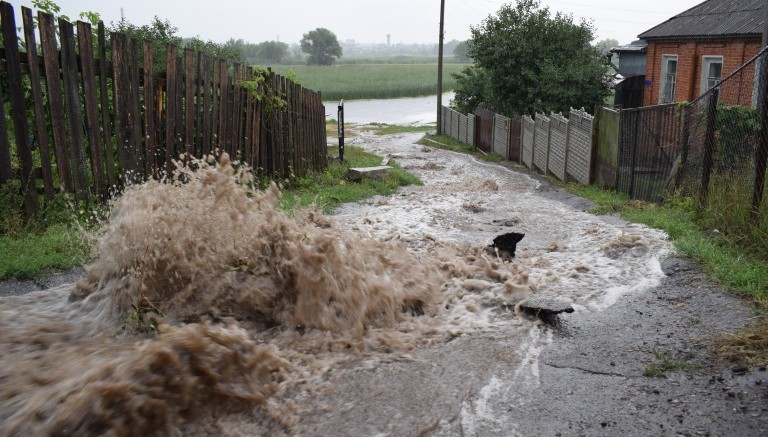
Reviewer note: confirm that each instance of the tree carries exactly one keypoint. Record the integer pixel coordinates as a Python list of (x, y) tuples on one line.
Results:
[(532, 62), (322, 46), (605, 45), (461, 52), (272, 51)]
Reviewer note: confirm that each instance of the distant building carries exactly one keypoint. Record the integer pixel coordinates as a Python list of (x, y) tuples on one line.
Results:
[(691, 52), (629, 89)]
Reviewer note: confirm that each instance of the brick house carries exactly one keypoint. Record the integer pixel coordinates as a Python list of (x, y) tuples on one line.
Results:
[(692, 51)]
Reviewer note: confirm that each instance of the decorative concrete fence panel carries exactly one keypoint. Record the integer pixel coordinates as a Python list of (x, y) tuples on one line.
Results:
[(579, 156), (501, 135), (541, 143), (529, 128), (558, 142)]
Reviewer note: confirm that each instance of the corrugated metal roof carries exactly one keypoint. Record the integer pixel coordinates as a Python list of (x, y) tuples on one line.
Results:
[(713, 18)]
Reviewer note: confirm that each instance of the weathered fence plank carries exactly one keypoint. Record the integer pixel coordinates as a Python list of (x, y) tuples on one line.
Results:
[(72, 106), (106, 120), (6, 169), (150, 111), (41, 131), (189, 100), (18, 107), (55, 101), (171, 108), (85, 42)]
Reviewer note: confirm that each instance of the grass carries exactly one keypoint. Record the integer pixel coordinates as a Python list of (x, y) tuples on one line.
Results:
[(447, 143), (731, 265), (331, 188), (665, 364), (388, 129), (372, 81), (52, 239), (737, 266)]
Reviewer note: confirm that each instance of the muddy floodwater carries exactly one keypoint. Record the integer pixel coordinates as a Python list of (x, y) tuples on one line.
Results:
[(211, 312)]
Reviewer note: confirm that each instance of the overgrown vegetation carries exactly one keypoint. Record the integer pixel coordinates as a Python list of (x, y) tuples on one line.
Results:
[(447, 143), (371, 81), (51, 239), (331, 188)]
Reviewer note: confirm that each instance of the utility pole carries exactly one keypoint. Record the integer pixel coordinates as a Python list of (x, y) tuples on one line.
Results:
[(440, 72)]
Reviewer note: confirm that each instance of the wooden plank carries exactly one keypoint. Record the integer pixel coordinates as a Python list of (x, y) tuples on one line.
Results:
[(6, 169), (189, 100), (41, 131), (207, 102), (106, 120), (18, 106), (179, 144), (72, 105), (120, 93), (150, 113), (85, 42), (215, 100), (199, 108), (248, 122), (137, 161), (55, 101), (224, 106), (170, 109), (236, 113)]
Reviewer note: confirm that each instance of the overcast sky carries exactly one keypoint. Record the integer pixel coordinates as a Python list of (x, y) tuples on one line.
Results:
[(408, 21)]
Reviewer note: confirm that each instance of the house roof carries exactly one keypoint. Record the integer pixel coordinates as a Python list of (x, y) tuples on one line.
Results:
[(713, 18), (638, 46)]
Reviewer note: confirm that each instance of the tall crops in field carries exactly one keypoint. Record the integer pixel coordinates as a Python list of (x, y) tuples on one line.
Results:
[(372, 81)]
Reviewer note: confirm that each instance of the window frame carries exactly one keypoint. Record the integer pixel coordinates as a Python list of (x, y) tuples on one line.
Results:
[(706, 61), (664, 73)]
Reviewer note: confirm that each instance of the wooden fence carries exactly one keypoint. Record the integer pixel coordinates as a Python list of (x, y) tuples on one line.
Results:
[(100, 114)]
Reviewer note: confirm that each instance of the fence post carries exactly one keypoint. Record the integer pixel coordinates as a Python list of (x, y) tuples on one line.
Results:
[(686, 145), (709, 145), (636, 121)]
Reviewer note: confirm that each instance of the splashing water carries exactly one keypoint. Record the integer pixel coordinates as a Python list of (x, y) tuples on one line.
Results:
[(243, 304)]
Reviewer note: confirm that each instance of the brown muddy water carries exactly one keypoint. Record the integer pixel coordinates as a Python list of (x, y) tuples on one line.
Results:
[(209, 311)]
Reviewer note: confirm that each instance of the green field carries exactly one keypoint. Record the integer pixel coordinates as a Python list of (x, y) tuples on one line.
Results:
[(372, 81)]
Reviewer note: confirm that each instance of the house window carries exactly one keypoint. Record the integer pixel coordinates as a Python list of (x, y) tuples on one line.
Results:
[(668, 78), (711, 72)]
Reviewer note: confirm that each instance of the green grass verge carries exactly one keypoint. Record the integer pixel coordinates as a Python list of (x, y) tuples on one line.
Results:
[(447, 143), (29, 254), (331, 188), (372, 81), (389, 129), (730, 264)]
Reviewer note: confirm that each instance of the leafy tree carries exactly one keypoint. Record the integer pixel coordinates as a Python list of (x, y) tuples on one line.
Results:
[(322, 46), (533, 62), (605, 45), (272, 51), (461, 52)]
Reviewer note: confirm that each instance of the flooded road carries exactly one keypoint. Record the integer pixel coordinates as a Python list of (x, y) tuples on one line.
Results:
[(209, 311), (410, 110)]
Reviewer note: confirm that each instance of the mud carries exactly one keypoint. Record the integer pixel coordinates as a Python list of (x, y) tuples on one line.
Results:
[(210, 312)]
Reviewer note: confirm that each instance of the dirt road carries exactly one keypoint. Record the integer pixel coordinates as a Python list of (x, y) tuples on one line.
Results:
[(471, 366)]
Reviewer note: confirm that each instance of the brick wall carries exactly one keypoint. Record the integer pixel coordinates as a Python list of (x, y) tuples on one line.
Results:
[(735, 52)]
